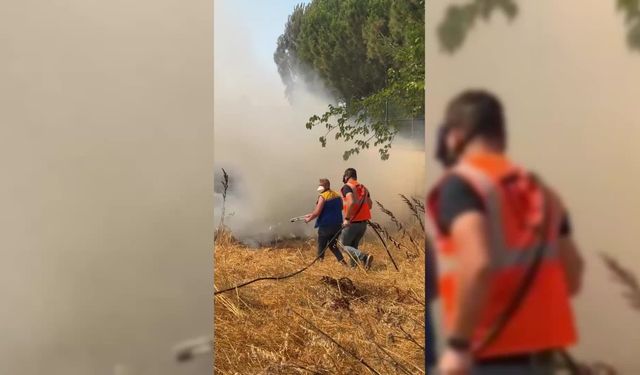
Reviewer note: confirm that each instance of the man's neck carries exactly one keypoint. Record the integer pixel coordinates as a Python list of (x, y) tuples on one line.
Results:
[(481, 147)]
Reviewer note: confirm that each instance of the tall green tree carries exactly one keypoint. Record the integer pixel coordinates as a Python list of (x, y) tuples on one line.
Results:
[(369, 54), (285, 57)]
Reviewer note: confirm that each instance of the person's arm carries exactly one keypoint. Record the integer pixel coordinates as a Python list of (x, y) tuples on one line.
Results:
[(316, 211), (570, 257), (369, 201), (431, 269), (469, 231), (572, 262), (568, 251), (348, 200), (462, 217)]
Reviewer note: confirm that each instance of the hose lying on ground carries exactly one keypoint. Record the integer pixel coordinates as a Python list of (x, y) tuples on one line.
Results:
[(275, 278), (283, 276)]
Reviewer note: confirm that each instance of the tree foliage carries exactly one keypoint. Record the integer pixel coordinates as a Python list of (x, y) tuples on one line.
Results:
[(460, 19), (285, 57), (631, 10), (369, 54)]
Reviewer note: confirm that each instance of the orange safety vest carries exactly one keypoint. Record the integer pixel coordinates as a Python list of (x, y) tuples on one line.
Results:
[(359, 202), (514, 204)]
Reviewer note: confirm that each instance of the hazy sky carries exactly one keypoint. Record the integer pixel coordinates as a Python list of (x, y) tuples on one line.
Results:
[(106, 153), (263, 22)]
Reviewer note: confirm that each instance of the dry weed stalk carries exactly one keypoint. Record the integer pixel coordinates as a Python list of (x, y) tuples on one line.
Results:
[(390, 238), (418, 204), (408, 336), (354, 355), (395, 362), (415, 244), (626, 278), (393, 218), (632, 294), (221, 230), (401, 228), (415, 211), (377, 229)]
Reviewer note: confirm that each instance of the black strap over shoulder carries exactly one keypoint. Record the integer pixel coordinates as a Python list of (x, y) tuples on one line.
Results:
[(525, 287)]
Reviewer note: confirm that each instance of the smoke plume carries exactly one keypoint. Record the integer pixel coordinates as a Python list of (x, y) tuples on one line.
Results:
[(106, 158), (273, 160)]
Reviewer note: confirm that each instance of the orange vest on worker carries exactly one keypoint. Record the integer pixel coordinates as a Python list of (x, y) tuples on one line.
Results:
[(360, 208), (515, 203)]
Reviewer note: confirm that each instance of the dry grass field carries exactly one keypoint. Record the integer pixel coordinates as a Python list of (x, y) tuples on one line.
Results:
[(329, 319)]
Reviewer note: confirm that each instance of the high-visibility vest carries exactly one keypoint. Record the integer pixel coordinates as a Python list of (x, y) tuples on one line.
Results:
[(360, 208), (331, 214), (514, 203)]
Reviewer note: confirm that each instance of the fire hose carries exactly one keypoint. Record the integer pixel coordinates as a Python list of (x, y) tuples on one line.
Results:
[(283, 276), (275, 278)]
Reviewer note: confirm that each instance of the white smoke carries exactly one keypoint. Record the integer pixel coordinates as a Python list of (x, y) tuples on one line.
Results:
[(273, 160)]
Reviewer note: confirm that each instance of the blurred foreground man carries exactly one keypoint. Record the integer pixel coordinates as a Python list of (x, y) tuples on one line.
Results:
[(506, 262), (431, 294), (431, 278)]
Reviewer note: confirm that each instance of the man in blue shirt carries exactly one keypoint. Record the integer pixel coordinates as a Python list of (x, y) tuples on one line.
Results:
[(328, 212)]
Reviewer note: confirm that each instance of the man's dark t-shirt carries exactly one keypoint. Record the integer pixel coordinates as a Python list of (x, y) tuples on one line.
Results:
[(346, 189), (457, 197)]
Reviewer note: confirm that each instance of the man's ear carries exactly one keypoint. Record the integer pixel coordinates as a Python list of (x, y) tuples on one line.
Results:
[(455, 144), (453, 139)]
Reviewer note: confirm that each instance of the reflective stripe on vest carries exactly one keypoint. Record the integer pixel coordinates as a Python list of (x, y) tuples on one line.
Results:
[(544, 320)]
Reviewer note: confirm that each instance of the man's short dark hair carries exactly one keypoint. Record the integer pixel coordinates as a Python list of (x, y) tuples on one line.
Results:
[(479, 113), (351, 173)]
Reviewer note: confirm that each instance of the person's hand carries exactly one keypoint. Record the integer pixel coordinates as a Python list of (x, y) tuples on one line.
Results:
[(455, 362), (345, 223), (307, 218)]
